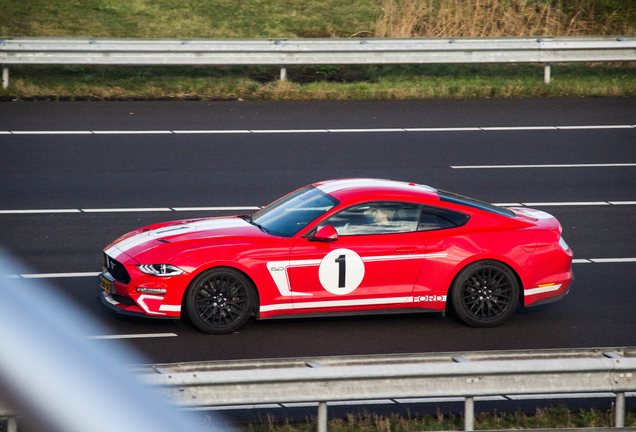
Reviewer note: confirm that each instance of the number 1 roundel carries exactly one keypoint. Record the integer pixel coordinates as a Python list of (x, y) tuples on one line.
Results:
[(341, 271)]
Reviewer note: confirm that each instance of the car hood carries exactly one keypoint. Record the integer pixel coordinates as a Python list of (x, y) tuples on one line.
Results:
[(180, 233)]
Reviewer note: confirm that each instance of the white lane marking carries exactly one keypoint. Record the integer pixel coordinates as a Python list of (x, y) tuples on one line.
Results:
[(544, 166), (597, 127), (573, 203), (142, 132), (216, 208), (210, 131), (612, 260), (58, 275), (134, 336), (515, 128), (426, 129), (51, 132), (367, 130), (126, 210), (461, 129), (40, 211), (290, 131), (581, 261), (130, 210)]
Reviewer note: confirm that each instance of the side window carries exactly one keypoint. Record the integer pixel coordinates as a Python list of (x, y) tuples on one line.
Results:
[(433, 218), (375, 218)]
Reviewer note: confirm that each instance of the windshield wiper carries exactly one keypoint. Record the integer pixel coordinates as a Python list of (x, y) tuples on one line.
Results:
[(248, 218)]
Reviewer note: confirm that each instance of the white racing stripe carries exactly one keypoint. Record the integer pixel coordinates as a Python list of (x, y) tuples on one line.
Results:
[(167, 231), (352, 130), (542, 289), (133, 336)]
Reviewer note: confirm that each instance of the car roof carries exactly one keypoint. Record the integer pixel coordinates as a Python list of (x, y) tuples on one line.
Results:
[(351, 189)]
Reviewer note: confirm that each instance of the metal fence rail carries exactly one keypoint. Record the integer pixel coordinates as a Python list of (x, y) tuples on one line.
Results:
[(284, 52), (395, 377)]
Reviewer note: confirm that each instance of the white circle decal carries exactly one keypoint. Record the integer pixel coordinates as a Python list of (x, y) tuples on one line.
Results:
[(341, 271)]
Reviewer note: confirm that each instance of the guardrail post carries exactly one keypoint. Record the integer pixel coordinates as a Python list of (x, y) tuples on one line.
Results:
[(620, 410), (546, 73), (12, 425), (283, 73), (5, 76), (322, 417), (469, 414)]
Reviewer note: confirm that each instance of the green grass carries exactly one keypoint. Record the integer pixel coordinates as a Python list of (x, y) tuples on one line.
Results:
[(559, 417), (188, 18), (317, 83), (292, 18)]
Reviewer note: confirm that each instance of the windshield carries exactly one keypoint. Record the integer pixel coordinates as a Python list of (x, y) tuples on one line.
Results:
[(287, 216)]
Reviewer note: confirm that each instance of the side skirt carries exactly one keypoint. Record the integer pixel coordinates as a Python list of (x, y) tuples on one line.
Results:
[(396, 311)]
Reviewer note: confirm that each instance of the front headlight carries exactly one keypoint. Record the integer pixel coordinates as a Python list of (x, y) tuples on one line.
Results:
[(160, 269), (563, 244)]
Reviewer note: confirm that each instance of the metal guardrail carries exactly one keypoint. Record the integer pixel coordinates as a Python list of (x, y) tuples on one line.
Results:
[(331, 379), (284, 52)]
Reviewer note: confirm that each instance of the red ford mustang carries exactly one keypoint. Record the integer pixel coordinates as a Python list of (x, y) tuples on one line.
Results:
[(342, 247)]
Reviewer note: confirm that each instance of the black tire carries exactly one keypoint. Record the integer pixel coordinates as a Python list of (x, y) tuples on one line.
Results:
[(220, 300), (485, 293)]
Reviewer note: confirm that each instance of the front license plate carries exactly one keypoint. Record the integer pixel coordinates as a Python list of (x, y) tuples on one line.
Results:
[(105, 284)]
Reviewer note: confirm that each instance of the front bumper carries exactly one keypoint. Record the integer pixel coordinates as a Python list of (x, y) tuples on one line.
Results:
[(125, 300), (121, 309)]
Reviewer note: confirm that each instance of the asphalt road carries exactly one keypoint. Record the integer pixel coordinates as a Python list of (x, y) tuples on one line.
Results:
[(167, 170)]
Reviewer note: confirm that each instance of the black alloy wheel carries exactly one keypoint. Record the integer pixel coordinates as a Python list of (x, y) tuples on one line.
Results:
[(485, 294), (220, 300)]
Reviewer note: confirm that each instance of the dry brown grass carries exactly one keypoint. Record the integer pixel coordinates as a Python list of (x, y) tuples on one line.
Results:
[(483, 18)]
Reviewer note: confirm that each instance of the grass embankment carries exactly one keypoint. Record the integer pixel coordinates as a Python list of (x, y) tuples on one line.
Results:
[(542, 419), (320, 18)]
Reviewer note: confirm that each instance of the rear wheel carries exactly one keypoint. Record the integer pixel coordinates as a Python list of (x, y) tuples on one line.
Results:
[(485, 293), (220, 300)]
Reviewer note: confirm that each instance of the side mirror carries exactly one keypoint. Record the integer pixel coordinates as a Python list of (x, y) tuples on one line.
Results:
[(325, 234)]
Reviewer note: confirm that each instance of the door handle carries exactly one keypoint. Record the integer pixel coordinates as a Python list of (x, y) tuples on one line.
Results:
[(406, 249)]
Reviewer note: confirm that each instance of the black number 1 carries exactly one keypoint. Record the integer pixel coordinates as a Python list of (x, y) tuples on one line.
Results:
[(342, 271)]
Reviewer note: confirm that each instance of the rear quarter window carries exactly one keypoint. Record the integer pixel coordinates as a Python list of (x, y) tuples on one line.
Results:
[(471, 202), (433, 218)]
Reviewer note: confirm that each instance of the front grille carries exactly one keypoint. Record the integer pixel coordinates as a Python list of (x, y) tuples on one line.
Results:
[(116, 269)]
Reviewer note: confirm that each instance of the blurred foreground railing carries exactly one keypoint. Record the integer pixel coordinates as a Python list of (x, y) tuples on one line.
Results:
[(54, 378), (285, 52), (401, 376)]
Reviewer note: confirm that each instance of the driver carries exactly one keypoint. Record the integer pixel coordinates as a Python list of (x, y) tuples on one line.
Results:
[(381, 215)]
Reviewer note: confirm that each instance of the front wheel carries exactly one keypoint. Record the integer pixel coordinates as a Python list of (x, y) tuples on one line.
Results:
[(485, 294), (220, 300)]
